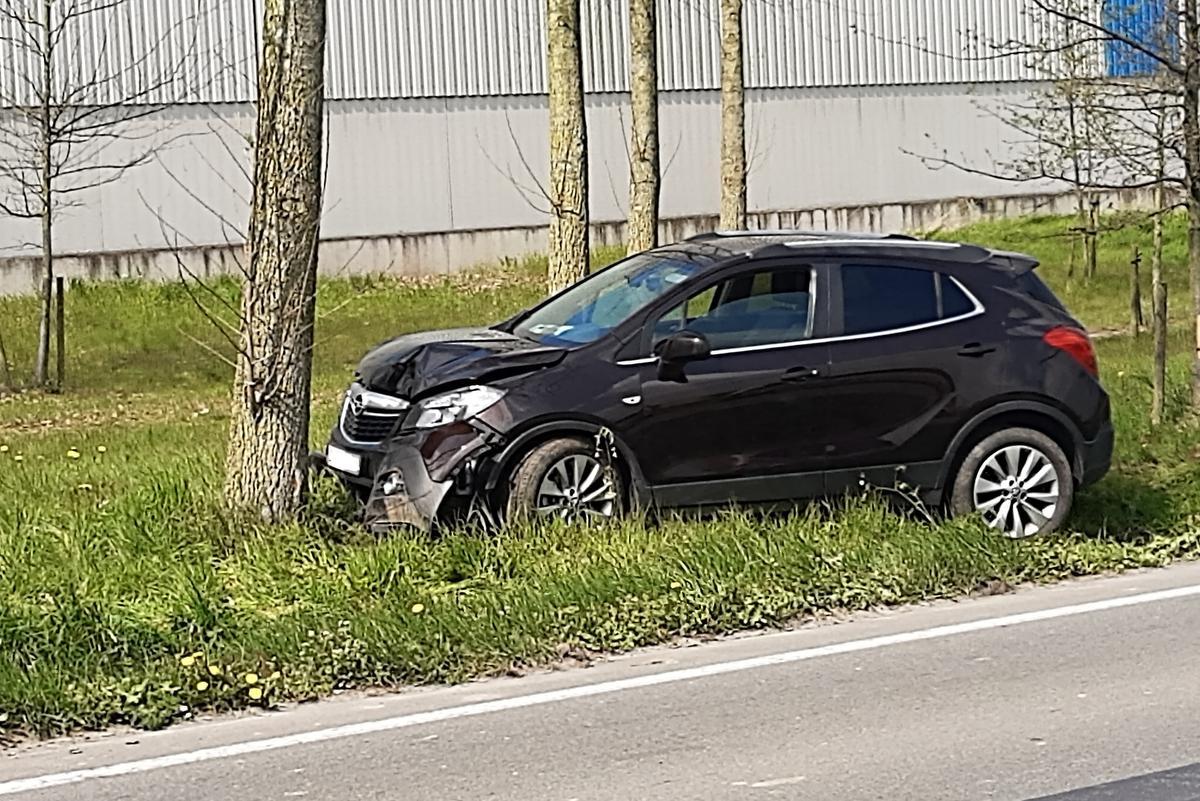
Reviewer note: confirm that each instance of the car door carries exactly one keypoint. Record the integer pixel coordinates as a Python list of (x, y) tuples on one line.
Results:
[(742, 424), (905, 338)]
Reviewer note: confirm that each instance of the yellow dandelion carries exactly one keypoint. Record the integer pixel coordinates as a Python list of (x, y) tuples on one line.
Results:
[(418, 608), (18, 458), (214, 670), (188, 661), (3, 449), (202, 686), (73, 454), (101, 449), (252, 678), (256, 693)]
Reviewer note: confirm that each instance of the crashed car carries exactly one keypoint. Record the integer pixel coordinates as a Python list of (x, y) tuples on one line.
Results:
[(749, 368)]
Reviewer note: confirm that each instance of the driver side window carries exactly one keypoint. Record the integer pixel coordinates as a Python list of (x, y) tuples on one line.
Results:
[(764, 307)]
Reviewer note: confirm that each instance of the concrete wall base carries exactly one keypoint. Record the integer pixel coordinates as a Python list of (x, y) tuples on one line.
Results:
[(424, 254)]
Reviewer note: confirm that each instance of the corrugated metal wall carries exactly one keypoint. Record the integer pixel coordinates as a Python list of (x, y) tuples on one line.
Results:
[(392, 49)]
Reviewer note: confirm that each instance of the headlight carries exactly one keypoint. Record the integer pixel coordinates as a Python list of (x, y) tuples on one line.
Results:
[(450, 407)]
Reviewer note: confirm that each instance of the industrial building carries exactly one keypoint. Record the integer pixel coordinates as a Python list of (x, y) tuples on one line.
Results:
[(437, 125)]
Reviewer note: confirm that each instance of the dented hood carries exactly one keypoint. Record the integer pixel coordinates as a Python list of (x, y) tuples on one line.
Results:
[(412, 365)]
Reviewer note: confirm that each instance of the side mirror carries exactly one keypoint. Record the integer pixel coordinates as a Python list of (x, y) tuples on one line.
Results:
[(678, 350)]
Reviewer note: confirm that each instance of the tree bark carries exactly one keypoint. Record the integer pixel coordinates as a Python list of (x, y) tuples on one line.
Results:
[(568, 148), (733, 119), (1159, 288), (1191, 136), (6, 381), (41, 372), (645, 177), (268, 437), (1136, 321)]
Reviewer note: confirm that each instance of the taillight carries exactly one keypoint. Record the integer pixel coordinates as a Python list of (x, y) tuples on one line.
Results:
[(1076, 344)]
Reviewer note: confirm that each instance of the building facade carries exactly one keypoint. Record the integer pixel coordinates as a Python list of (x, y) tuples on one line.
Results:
[(437, 122)]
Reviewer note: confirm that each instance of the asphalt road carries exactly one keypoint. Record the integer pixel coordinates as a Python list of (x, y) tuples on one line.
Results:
[(1082, 692)]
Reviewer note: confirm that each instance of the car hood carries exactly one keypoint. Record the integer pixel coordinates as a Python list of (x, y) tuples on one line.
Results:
[(412, 365)]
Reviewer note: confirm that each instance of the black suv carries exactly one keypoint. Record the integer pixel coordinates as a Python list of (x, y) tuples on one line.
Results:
[(752, 367)]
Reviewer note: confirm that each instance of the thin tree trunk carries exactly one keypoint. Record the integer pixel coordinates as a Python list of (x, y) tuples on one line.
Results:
[(6, 381), (41, 373), (645, 178), (1136, 321), (1159, 288), (1093, 238), (268, 437), (1191, 135), (60, 334), (733, 119), (568, 148)]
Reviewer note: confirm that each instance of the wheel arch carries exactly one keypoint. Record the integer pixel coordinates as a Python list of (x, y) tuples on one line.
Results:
[(1032, 414), (528, 439)]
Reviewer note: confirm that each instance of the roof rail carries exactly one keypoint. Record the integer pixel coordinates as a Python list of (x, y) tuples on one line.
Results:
[(956, 250), (816, 235)]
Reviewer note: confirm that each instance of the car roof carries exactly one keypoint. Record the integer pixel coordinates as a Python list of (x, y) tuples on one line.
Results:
[(721, 245)]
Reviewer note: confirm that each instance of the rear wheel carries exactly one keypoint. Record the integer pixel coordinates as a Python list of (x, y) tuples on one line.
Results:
[(565, 479), (1019, 480)]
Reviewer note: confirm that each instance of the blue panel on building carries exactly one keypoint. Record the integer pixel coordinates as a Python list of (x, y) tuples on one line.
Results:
[(1143, 21)]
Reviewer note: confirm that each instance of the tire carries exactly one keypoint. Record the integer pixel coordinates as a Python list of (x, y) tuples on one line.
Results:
[(558, 461), (990, 462)]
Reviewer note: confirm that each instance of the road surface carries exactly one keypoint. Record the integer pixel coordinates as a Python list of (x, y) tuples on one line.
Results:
[(1088, 691)]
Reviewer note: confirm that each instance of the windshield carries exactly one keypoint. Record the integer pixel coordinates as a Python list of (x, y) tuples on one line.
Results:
[(592, 308)]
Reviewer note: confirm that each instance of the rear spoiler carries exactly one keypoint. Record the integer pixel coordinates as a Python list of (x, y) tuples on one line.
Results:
[(1014, 263)]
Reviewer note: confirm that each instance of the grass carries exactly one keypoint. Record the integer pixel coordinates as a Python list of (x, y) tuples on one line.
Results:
[(128, 596)]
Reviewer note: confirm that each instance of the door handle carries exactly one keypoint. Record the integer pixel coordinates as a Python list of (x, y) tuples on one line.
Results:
[(975, 350), (802, 374)]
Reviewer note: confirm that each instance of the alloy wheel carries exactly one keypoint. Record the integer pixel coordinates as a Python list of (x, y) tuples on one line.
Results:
[(577, 486), (1017, 491)]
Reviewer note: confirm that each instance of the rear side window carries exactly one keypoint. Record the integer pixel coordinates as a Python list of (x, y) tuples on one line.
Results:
[(886, 298), (955, 302)]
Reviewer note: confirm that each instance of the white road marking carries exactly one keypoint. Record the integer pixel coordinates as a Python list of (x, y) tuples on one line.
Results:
[(769, 783), (585, 691)]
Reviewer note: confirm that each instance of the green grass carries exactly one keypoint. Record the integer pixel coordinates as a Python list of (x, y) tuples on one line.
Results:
[(128, 596)]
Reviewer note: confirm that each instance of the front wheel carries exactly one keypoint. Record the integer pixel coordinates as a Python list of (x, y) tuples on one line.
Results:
[(565, 479), (1019, 480)]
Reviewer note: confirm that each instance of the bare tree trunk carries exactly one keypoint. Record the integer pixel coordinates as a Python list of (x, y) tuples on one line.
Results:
[(268, 437), (645, 175), (733, 118), (568, 148), (1136, 321), (1191, 136), (60, 334), (1093, 238), (1159, 288), (6, 381), (41, 373)]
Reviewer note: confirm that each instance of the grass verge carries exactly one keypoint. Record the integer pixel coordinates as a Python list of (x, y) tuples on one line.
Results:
[(127, 596)]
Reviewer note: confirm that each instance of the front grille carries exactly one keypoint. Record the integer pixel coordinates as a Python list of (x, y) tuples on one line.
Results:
[(370, 418)]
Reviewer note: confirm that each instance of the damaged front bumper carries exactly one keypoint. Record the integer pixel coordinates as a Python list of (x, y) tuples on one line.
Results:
[(418, 472)]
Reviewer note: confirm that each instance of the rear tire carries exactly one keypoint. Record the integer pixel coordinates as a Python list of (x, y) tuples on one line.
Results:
[(1019, 480), (564, 479)]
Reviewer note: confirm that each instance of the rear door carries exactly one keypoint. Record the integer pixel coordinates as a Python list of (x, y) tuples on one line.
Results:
[(744, 425), (906, 339)]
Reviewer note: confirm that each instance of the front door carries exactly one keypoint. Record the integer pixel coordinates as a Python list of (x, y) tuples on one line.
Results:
[(744, 424)]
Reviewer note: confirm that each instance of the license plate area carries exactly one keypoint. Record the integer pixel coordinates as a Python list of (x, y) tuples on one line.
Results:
[(343, 461)]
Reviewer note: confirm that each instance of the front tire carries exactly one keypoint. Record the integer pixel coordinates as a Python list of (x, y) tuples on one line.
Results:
[(565, 479), (1019, 480)]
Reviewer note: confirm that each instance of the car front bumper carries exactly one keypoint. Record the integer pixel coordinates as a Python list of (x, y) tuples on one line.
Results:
[(406, 480)]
